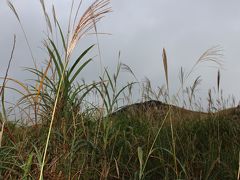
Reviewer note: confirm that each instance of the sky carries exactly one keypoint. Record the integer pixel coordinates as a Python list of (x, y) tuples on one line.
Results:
[(139, 29)]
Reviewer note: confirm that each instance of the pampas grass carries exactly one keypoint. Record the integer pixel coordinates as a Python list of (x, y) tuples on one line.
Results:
[(71, 136)]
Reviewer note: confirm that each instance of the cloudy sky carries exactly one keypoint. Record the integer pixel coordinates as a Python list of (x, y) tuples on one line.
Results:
[(139, 29)]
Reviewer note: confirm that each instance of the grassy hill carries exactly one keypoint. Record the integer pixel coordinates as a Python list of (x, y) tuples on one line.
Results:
[(159, 110), (139, 141), (60, 133)]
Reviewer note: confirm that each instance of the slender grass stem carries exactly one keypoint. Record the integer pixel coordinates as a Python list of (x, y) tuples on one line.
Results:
[(51, 124)]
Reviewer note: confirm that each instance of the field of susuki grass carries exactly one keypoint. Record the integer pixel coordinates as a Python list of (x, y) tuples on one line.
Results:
[(64, 128)]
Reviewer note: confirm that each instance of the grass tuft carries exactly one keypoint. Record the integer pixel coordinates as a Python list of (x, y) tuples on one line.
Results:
[(67, 129)]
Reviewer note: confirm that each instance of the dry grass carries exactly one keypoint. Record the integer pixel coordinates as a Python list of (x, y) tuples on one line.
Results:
[(74, 138), (88, 21)]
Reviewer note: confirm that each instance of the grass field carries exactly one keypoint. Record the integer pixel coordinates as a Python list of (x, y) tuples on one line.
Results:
[(66, 129)]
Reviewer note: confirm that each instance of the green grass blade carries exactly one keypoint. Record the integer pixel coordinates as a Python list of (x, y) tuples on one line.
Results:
[(102, 95), (55, 61), (60, 63), (79, 70), (117, 95), (62, 37), (140, 158), (79, 59), (110, 80), (27, 166)]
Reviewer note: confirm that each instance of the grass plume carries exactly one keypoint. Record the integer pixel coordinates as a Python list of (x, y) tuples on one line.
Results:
[(96, 131)]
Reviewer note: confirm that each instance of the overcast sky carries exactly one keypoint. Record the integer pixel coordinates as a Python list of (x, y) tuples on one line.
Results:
[(139, 29)]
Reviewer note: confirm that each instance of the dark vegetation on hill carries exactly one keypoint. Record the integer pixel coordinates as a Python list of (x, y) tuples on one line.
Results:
[(206, 147)]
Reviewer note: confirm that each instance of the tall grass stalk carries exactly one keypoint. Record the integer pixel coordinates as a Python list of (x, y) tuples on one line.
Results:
[(51, 124), (2, 92), (11, 6), (88, 20), (211, 55), (165, 63), (151, 150)]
